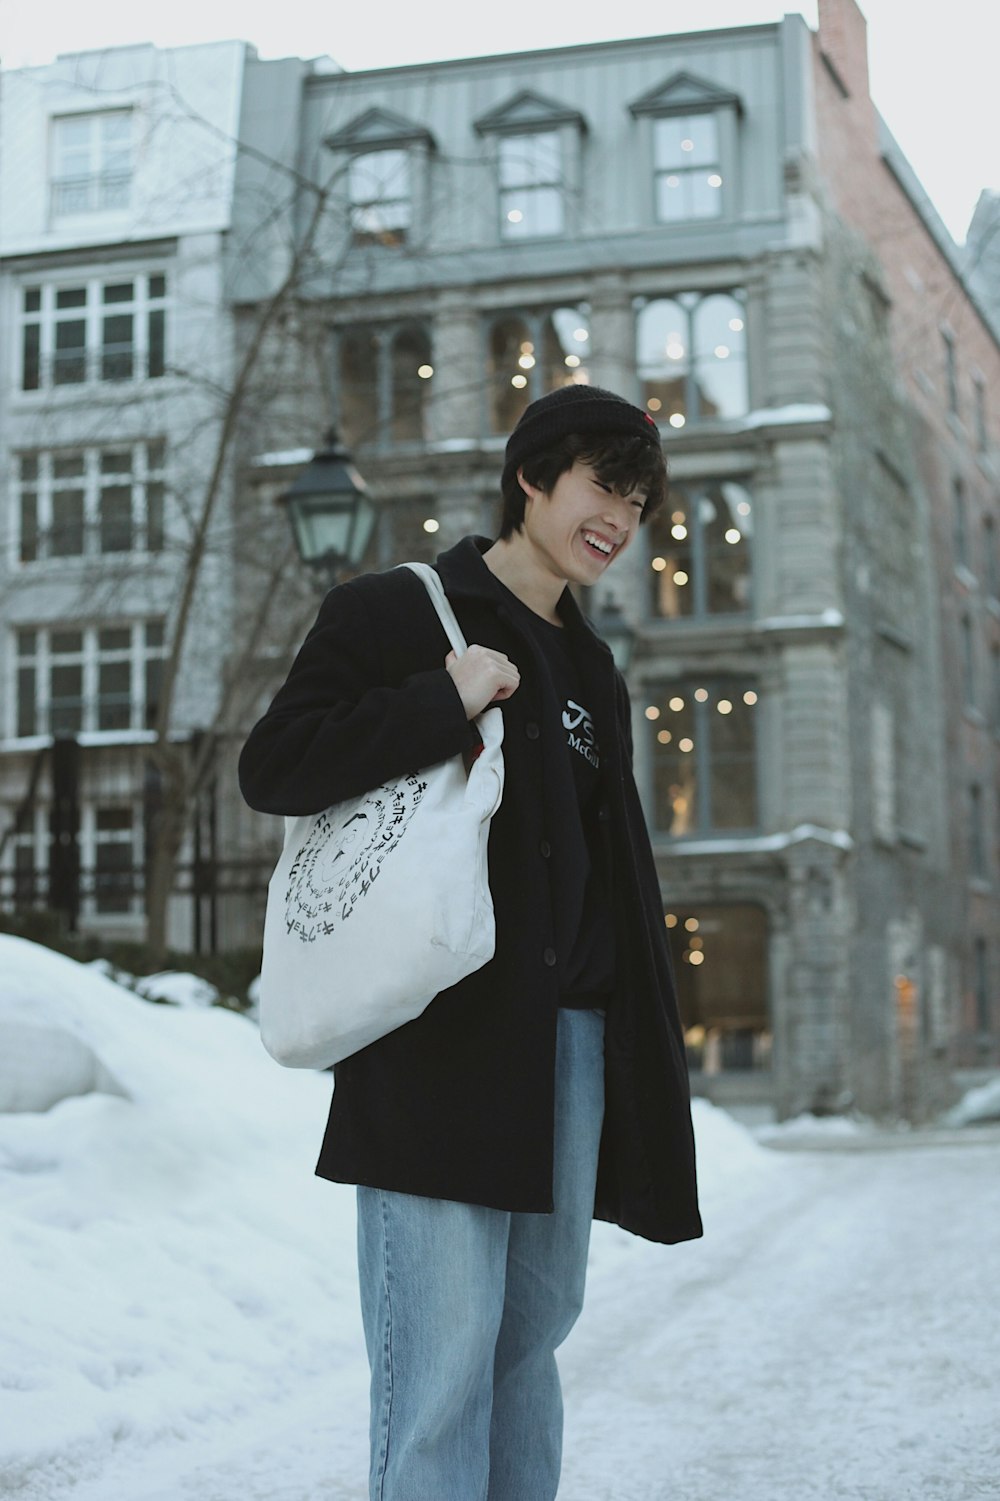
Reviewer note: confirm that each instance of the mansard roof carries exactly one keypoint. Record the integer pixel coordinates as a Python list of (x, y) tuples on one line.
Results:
[(683, 92), (377, 128), (529, 111)]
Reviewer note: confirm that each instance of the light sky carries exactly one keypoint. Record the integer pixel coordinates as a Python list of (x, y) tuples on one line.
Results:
[(938, 97)]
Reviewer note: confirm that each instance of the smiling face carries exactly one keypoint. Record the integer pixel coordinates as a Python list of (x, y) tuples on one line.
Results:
[(577, 530)]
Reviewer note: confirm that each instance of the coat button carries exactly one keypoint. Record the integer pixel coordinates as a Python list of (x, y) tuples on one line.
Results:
[(545, 849), (549, 956), (531, 730)]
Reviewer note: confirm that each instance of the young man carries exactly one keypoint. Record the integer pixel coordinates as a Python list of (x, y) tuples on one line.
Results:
[(550, 1086)]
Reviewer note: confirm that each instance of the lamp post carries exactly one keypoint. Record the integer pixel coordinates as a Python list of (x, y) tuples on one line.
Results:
[(611, 624), (330, 511)]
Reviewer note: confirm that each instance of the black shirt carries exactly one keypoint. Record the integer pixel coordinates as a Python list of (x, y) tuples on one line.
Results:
[(588, 966)]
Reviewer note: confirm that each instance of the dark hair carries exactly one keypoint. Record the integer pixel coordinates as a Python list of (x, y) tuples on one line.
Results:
[(621, 460)]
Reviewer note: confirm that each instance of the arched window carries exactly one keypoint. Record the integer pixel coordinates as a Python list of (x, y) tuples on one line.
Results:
[(692, 357), (565, 347), (411, 380), (531, 354)]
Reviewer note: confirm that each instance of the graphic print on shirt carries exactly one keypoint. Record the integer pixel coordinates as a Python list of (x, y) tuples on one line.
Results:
[(580, 734), (343, 855)]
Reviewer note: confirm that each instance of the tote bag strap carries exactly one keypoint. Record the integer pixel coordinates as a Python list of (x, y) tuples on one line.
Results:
[(439, 600)]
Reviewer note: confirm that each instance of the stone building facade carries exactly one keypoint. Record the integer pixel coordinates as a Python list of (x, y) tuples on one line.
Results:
[(675, 218)]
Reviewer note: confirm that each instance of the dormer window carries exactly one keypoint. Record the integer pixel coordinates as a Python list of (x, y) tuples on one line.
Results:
[(381, 210), (536, 147), (387, 160), (91, 163), (688, 127), (531, 185)]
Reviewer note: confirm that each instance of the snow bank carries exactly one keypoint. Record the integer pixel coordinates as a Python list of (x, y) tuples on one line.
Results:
[(976, 1105)]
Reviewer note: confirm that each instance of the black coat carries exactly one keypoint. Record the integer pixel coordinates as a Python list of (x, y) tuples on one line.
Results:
[(459, 1103)]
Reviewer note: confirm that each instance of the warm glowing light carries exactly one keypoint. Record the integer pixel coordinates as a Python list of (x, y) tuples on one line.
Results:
[(652, 712), (671, 919), (701, 694), (430, 525), (686, 744), (696, 957), (664, 737), (722, 351), (736, 324), (749, 697), (677, 419), (654, 403), (724, 706), (677, 515), (687, 145), (676, 703), (680, 577), (692, 924), (425, 371), (744, 508), (519, 381), (658, 564), (527, 347), (515, 216), (679, 804), (678, 531), (526, 361), (572, 360), (714, 180), (581, 335), (675, 349), (697, 943), (732, 534)]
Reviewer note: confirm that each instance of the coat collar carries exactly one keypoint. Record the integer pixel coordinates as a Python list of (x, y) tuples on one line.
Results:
[(465, 575)]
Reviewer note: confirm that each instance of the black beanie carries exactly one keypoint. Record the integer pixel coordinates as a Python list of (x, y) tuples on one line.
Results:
[(585, 410)]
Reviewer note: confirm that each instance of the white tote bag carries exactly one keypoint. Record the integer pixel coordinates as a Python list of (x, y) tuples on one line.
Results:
[(381, 902)]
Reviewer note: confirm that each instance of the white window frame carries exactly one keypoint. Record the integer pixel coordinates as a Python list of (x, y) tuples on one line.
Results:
[(145, 479), (678, 174), (91, 312), (104, 185), (91, 656), (534, 183), (386, 214)]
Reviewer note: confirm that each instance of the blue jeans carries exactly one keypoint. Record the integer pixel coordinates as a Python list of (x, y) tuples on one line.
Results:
[(464, 1307)]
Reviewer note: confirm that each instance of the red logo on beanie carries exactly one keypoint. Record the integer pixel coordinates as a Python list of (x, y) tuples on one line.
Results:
[(649, 419)]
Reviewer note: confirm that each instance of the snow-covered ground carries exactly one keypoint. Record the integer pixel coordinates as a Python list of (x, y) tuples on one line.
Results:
[(178, 1315)]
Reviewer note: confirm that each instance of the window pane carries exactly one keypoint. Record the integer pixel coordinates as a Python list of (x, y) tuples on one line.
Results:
[(725, 516), (29, 526), (155, 455), (119, 292), (674, 761), (32, 299), (411, 353), (731, 726), (27, 721), (114, 638), (530, 160), (664, 357), (379, 188), (565, 347), (720, 964), (512, 359), (116, 519), (30, 357), (154, 677), (157, 343), (69, 365), (116, 353), (66, 643), (116, 463), (670, 535), (720, 357), (157, 286), (72, 297), (154, 516), (359, 405), (66, 702), (66, 536), (114, 696)]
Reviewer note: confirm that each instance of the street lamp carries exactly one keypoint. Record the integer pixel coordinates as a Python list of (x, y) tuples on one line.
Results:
[(330, 511), (611, 624)]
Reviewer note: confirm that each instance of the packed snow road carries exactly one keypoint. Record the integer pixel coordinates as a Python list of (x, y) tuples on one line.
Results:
[(833, 1338), (179, 1318)]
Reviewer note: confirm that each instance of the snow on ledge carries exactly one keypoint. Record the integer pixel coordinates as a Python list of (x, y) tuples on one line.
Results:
[(839, 838), (825, 618), (797, 412)]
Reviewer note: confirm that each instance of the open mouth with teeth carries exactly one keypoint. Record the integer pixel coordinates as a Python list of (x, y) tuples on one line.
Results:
[(597, 546)]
